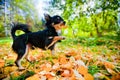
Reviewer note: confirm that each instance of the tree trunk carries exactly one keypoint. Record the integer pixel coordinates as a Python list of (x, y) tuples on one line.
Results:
[(5, 25), (97, 29)]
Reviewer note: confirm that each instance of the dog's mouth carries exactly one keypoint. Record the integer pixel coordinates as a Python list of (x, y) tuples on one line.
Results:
[(62, 24), (59, 26)]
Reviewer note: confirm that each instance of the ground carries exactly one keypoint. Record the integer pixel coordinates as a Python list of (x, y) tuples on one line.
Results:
[(74, 59)]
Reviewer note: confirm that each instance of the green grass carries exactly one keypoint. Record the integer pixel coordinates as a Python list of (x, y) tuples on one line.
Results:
[(4, 40), (93, 41)]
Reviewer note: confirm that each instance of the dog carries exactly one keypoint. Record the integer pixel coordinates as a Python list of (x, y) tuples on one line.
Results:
[(44, 39)]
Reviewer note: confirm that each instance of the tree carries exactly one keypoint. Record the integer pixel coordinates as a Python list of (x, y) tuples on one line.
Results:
[(99, 16), (17, 11)]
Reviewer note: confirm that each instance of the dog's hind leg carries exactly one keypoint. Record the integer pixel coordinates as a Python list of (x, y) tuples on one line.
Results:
[(21, 54)]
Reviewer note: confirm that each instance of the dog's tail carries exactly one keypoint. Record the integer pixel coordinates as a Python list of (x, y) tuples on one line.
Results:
[(23, 27)]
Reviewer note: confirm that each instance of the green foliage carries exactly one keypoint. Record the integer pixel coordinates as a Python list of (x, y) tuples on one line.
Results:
[(1, 27), (9, 62), (82, 18), (21, 11), (4, 40), (22, 76), (93, 69)]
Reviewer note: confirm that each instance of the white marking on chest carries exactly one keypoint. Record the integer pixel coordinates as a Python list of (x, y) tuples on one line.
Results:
[(58, 32)]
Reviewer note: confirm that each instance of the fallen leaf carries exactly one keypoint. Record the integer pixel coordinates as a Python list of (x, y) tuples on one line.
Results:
[(77, 75), (66, 73), (78, 57), (80, 63), (31, 58), (68, 65), (111, 71), (62, 60), (2, 63), (88, 77), (46, 67), (109, 65), (82, 70), (56, 66), (52, 78), (116, 77), (71, 53)]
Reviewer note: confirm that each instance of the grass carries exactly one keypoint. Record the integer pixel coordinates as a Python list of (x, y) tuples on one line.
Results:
[(4, 40)]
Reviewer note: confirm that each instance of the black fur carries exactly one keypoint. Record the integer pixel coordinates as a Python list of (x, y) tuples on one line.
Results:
[(40, 39)]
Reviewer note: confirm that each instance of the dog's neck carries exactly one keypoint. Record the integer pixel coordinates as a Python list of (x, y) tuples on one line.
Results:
[(52, 29)]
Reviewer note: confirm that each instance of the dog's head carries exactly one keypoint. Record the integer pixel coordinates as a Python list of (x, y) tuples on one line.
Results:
[(55, 21)]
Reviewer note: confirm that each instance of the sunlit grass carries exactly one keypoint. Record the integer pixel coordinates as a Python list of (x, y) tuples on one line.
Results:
[(4, 40)]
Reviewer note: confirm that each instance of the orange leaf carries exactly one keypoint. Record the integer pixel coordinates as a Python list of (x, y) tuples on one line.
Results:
[(48, 75), (82, 70), (72, 77), (39, 56), (52, 78), (67, 65), (2, 63), (71, 53), (109, 65), (62, 60), (46, 67), (88, 77), (31, 58), (55, 61), (78, 57), (116, 77)]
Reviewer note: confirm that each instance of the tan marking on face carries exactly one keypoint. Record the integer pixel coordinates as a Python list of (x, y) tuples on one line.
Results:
[(59, 26)]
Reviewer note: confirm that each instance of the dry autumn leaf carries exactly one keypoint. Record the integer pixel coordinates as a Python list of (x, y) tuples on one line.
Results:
[(109, 65), (31, 58), (116, 77), (66, 73), (88, 77), (82, 70), (71, 53), (46, 67), (78, 57), (2, 63), (68, 65), (52, 78), (111, 71), (62, 60)]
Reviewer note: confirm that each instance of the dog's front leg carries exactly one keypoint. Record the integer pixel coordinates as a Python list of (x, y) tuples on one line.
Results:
[(55, 39)]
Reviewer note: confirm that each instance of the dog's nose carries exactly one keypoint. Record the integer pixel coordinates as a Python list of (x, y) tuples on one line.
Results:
[(64, 22)]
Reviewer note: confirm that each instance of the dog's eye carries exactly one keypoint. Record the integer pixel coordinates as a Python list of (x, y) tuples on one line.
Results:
[(58, 18)]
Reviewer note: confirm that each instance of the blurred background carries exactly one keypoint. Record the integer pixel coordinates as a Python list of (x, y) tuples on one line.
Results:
[(87, 18)]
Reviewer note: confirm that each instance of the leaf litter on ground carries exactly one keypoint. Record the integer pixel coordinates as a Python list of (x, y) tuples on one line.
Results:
[(78, 63)]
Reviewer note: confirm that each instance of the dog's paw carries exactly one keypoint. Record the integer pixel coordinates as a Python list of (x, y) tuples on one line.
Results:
[(63, 37)]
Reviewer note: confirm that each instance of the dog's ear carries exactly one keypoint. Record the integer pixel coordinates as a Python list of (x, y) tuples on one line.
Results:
[(47, 17)]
